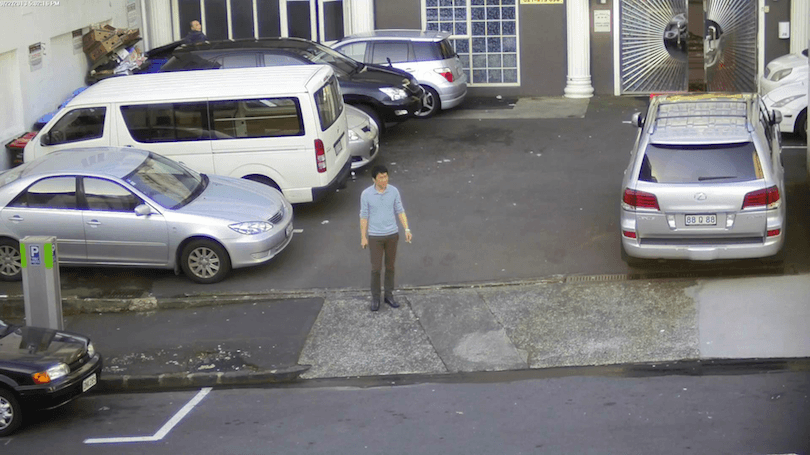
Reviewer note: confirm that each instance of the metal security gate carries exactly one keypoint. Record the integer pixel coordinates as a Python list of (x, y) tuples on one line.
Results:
[(661, 52)]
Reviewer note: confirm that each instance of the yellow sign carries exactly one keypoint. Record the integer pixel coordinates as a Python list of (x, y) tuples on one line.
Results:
[(541, 2)]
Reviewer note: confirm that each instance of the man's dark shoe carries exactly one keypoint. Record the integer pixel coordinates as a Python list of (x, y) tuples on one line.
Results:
[(391, 302), (375, 303)]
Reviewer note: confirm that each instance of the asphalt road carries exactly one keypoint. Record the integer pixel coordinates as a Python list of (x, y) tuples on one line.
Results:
[(487, 200), (751, 413)]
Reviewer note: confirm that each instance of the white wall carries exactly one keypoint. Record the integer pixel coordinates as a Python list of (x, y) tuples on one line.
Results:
[(37, 91)]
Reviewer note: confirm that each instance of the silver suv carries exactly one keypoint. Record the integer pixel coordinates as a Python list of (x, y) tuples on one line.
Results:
[(705, 180), (427, 55)]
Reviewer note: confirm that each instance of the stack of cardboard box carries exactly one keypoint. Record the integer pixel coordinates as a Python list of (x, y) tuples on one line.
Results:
[(99, 43)]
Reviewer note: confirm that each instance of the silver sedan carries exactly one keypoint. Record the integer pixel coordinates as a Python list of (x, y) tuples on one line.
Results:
[(129, 207), (364, 137)]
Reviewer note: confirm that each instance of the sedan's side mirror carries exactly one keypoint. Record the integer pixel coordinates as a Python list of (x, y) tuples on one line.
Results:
[(776, 117), (638, 119), (143, 210)]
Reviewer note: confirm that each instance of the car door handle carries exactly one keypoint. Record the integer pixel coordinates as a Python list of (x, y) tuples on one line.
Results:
[(410, 70), (15, 218), (94, 223)]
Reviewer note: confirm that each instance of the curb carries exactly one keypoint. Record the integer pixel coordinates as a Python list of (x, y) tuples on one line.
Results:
[(131, 383)]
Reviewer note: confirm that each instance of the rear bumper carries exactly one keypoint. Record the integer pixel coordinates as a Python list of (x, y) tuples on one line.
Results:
[(50, 396), (744, 249), (337, 183)]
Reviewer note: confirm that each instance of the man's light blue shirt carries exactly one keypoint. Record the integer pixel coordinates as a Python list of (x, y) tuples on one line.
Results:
[(381, 210)]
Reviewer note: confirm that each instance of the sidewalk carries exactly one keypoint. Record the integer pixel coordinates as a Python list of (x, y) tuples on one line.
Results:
[(556, 322)]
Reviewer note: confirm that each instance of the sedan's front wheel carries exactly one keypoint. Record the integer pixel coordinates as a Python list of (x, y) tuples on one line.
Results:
[(205, 261), (10, 262), (10, 413)]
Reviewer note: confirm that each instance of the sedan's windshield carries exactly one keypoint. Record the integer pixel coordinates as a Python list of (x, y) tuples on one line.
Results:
[(325, 55), (166, 182)]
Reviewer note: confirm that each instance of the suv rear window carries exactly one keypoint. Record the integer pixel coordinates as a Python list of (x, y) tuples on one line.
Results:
[(433, 51), (701, 164)]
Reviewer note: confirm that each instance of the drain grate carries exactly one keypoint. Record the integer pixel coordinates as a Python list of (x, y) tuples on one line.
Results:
[(591, 278)]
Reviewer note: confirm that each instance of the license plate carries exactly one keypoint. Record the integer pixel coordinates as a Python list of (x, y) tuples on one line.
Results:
[(701, 220), (89, 382), (338, 147), (288, 231)]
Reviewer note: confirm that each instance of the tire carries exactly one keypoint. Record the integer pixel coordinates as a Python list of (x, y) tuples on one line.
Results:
[(431, 105), (205, 261), (10, 261), (375, 117), (10, 413), (801, 125)]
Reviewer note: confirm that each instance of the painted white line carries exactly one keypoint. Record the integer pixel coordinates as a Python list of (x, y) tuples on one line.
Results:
[(298, 231), (794, 147), (164, 430)]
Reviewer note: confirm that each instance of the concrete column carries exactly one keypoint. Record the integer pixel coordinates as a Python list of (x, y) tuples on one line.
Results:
[(159, 23), (361, 16), (799, 23), (579, 49)]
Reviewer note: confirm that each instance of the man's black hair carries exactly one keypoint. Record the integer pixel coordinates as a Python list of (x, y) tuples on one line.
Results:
[(378, 169)]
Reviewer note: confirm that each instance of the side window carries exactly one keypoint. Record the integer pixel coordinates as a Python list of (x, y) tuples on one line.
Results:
[(394, 50), (269, 117), (281, 59), (425, 52), (239, 60), (356, 51), (166, 122), (78, 125), (329, 102), (49, 193), (104, 195)]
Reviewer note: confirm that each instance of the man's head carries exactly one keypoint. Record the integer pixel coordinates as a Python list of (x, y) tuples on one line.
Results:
[(379, 174), (196, 26)]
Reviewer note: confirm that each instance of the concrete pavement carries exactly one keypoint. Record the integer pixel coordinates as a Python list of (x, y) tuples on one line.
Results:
[(554, 322)]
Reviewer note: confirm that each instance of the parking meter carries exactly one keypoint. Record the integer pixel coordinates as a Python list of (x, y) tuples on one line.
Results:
[(42, 290)]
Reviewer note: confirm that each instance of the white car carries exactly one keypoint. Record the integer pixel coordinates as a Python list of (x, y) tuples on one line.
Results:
[(791, 101), (784, 70)]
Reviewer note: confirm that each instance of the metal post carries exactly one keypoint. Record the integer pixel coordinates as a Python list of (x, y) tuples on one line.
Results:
[(42, 290)]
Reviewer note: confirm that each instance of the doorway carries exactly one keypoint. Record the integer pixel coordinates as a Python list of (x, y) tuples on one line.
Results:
[(688, 45)]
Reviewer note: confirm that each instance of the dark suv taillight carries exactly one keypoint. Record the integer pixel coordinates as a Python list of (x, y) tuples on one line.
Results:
[(768, 198), (634, 199)]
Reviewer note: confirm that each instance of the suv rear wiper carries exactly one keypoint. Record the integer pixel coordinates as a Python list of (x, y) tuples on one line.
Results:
[(718, 177)]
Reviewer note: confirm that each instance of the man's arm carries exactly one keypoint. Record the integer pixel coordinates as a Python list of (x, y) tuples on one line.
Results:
[(363, 232), (404, 220)]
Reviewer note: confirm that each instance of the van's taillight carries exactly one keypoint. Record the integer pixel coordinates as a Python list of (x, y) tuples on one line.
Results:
[(639, 199), (320, 155), (768, 197), (446, 73)]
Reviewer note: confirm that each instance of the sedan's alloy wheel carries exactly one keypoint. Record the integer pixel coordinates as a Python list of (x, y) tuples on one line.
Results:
[(10, 261), (10, 413), (204, 262)]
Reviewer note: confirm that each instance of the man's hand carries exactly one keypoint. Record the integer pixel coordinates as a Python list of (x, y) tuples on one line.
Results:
[(408, 236), (363, 243)]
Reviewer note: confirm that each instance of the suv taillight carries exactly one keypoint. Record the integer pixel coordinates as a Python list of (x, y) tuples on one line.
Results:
[(768, 197), (634, 199), (320, 155), (446, 73)]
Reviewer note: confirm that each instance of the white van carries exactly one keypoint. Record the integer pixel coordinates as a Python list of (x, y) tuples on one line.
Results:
[(283, 126)]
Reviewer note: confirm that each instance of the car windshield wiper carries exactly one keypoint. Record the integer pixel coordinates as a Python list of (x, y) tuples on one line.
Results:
[(716, 177)]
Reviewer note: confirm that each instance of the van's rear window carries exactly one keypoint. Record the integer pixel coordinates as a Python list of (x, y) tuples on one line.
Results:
[(703, 163), (330, 103)]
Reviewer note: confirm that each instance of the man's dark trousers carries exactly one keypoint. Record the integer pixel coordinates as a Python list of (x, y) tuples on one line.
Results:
[(378, 246)]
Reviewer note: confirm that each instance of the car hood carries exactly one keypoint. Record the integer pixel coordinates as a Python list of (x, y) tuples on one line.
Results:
[(798, 88), (236, 200), (39, 345), (384, 77)]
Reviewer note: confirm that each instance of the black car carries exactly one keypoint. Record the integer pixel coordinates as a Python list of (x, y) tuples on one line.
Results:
[(42, 368), (386, 94)]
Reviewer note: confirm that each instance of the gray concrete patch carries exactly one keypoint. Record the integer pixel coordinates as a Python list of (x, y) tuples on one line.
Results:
[(754, 317), (464, 332), (598, 323), (349, 340), (526, 108)]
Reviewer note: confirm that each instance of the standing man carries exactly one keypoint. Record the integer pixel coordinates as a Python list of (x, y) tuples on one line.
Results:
[(380, 205), (195, 35)]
